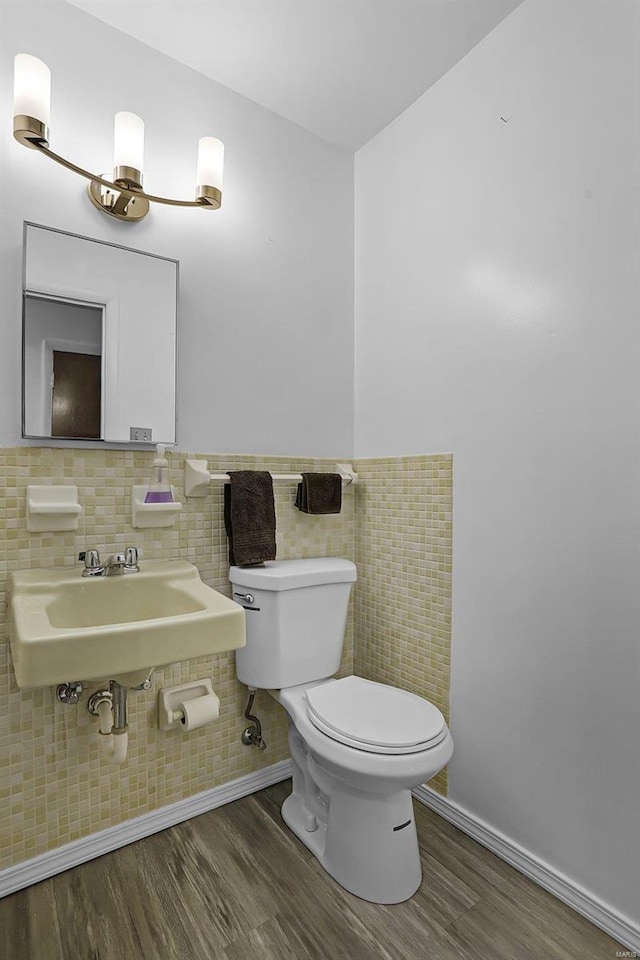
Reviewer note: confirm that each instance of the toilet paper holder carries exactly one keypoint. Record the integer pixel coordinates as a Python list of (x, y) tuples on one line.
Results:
[(172, 699)]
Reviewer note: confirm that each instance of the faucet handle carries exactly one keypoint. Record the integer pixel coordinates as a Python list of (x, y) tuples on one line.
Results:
[(91, 558), (92, 565), (131, 557)]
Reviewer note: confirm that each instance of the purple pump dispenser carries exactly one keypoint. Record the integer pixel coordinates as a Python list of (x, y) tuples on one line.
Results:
[(159, 489)]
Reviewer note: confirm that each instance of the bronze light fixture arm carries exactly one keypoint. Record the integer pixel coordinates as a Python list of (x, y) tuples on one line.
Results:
[(212, 201), (122, 196)]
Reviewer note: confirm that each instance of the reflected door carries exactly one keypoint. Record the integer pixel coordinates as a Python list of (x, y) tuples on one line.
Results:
[(76, 393)]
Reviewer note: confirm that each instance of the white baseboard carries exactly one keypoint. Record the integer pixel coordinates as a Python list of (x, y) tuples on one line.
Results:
[(72, 854), (621, 928), (79, 851)]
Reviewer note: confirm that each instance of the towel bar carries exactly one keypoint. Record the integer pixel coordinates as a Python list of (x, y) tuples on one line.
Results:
[(197, 477)]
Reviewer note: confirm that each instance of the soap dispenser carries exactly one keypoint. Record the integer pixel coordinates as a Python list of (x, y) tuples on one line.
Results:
[(159, 489)]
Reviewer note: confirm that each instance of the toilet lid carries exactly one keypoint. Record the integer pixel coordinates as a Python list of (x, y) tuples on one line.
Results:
[(374, 717)]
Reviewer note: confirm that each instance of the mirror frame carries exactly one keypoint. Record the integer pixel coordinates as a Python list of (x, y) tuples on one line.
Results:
[(82, 442)]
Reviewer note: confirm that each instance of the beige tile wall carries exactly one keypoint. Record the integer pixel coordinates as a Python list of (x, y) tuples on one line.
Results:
[(53, 786), (404, 556)]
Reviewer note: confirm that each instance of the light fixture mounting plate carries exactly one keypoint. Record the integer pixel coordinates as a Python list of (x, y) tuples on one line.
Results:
[(111, 202)]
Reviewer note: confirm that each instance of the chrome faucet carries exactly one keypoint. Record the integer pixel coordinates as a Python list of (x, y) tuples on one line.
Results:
[(116, 565)]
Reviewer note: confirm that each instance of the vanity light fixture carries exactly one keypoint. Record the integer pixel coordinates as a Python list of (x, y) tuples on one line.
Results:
[(121, 195)]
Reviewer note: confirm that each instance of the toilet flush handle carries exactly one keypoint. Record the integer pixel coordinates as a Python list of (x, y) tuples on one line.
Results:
[(247, 597)]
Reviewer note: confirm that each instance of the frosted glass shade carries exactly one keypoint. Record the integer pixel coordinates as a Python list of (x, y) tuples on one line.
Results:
[(128, 141), (210, 162), (32, 88)]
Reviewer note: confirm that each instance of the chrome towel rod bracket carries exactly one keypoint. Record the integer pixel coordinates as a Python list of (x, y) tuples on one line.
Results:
[(197, 479)]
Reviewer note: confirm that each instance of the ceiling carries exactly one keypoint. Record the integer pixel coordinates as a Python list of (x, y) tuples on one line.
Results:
[(342, 69)]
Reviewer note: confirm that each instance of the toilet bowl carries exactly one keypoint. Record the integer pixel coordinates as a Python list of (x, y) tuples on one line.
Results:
[(351, 806), (357, 747)]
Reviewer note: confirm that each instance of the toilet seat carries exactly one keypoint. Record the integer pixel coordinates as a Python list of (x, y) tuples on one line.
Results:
[(374, 717)]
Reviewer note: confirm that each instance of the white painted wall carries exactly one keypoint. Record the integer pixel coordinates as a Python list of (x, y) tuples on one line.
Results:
[(265, 341), (497, 316)]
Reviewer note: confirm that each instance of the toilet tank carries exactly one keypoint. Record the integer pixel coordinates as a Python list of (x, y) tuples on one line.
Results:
[(296, 613)]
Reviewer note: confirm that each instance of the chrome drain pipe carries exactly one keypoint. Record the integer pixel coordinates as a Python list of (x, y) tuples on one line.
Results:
[(120, 704)]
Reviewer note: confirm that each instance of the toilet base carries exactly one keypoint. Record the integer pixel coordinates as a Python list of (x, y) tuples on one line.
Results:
[(366, 841)]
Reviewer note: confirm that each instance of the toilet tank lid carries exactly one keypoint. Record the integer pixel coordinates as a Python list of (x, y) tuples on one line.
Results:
[(290, 574)]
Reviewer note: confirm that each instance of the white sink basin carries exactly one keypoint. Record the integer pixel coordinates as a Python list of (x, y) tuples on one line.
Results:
[(63, 626)]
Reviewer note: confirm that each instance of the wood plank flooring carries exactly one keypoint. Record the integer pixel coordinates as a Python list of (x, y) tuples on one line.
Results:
[(235, 884)]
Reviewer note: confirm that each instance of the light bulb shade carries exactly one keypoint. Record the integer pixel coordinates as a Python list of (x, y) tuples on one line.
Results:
[(210, 163), (32, 88), (128, 142)]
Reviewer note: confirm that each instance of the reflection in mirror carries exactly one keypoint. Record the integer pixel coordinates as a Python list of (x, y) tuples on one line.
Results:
[(99, 340), (63, 368)]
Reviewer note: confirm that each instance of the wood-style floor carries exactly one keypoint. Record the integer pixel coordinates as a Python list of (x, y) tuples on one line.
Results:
[(235, 884)]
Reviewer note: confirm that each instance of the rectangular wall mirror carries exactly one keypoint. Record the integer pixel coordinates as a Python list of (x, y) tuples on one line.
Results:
[(99, 340)]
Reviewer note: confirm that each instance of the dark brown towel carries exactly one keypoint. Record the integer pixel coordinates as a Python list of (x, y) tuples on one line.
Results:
[(320, 493), (250, 517)]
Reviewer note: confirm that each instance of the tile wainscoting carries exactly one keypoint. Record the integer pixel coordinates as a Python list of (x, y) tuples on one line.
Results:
[(54, 787), (404, 556)]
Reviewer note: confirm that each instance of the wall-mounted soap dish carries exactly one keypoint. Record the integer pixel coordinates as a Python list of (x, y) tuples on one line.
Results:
[(152, 514), (51, 509)]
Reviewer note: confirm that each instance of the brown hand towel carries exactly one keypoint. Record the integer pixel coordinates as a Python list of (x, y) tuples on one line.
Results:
[(250, 517), (320, 493)]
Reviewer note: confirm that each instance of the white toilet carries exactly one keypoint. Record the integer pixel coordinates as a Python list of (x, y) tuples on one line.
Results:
[(358, 747)]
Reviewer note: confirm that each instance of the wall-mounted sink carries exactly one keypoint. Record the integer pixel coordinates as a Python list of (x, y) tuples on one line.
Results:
[(63, 626)]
